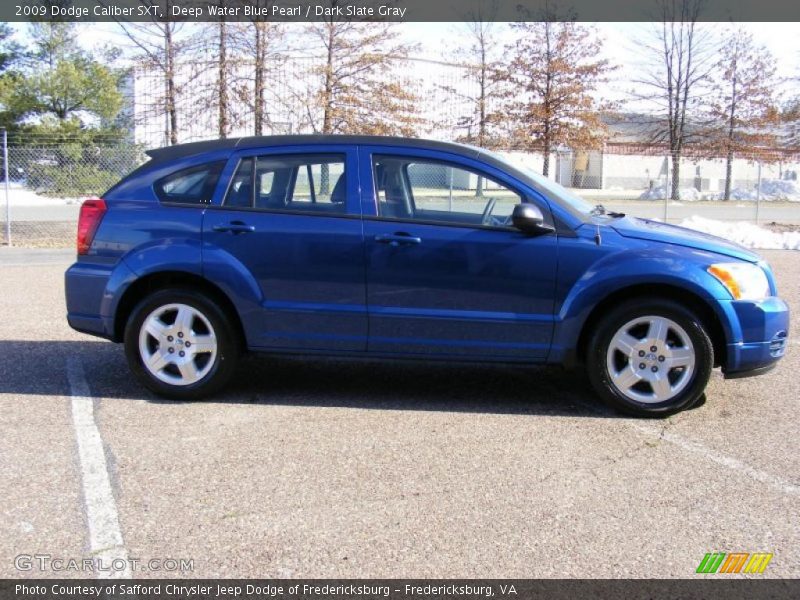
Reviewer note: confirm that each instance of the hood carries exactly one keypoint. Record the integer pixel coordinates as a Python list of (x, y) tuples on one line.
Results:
[(645, 229)]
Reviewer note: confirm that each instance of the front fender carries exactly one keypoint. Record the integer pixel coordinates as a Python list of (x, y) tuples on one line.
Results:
[(679, 268)]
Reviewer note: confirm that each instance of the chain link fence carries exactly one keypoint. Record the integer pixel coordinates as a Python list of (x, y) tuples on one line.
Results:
[(47, 183), (763, 188), (638, 180)]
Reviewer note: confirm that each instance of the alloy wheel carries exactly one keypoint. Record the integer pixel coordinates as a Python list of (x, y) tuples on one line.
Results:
[(177, 344), (650, 359)]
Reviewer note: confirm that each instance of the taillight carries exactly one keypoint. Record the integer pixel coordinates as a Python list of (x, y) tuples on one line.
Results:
[(92, 211)]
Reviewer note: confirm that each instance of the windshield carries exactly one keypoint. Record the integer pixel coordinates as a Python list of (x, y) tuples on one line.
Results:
[(550, 188), (561, 193)]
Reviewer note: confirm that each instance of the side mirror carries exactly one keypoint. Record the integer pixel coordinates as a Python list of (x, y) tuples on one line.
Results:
[(528, 218)]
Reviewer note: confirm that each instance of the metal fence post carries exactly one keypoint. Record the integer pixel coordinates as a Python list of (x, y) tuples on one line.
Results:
[(758, 191), (450, 196), (667, 187), (8, 196)]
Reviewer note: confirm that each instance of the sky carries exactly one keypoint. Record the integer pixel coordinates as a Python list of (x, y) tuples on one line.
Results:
[(781, 39), (620, 46)]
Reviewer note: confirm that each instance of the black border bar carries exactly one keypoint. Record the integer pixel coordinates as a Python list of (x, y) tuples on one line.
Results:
[(396, 10), (702, 587)]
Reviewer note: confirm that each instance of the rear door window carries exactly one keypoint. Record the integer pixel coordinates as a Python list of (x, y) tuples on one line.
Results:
[(299, 183)]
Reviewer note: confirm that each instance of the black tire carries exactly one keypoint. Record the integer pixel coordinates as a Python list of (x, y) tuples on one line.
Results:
[(228, 345), (604, 332)]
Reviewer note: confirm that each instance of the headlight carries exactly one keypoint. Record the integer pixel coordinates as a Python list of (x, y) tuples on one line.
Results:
[(744, 281)]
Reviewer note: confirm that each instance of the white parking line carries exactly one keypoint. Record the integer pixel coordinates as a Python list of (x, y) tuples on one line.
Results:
[(105, 537), (782, 485)]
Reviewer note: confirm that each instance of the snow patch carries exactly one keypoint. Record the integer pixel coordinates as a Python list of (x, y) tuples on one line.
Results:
[(20, 196), (771, 189), (660, 193), (746, 234)]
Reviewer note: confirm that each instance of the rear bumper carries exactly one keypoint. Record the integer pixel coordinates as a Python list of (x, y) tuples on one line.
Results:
[(763, 333), (88, 290), (89, 325)]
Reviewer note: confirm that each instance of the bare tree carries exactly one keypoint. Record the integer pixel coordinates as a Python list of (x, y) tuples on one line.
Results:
[(744, 104), (215, 54), (680, 55), (260, 46), (551, 81), (790, 119), (264, 34), (222, 77), (482, 68), (482, 90), (357, 88), (162, 46)]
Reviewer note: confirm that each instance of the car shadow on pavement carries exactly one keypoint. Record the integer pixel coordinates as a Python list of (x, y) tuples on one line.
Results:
[(39, 368), (416, 385)]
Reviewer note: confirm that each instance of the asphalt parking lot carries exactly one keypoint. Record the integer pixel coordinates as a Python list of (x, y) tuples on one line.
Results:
[(309, 468)]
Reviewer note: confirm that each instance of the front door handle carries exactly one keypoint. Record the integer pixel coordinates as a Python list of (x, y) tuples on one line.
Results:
[(234, 227), (398, 239)]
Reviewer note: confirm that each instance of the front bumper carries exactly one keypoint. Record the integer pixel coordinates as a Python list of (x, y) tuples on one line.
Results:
[(760, 331), (752, 372)]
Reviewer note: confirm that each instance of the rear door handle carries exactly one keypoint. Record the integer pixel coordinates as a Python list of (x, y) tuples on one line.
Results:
[(398, 239), (235, 227)]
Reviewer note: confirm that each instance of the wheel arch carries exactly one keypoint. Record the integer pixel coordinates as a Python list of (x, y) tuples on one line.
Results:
[(160, 280), (694, 302)]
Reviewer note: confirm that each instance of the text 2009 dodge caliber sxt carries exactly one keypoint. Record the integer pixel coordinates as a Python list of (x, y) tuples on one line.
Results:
[(403, 248)]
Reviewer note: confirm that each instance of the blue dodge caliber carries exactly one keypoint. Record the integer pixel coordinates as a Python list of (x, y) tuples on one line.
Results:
[(404, 248)]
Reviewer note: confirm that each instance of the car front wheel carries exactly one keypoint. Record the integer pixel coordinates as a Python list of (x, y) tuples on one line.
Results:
[(650, 358), (180, 344)]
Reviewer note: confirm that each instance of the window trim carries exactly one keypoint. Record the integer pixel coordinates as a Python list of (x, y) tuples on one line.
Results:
[(310, 176), (229, 184), (411, 159), (253, 162), (506, 228), (278, 211)]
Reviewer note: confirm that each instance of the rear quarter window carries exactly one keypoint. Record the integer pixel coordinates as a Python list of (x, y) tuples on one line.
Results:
[(194, 185)]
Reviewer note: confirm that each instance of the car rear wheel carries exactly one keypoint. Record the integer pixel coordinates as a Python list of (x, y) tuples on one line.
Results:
[(650, 358), (180, 344)]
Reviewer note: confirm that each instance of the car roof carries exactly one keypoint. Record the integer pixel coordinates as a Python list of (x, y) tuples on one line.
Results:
[(240, 143)]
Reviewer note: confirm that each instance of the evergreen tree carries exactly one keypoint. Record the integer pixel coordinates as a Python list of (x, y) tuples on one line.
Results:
[(62, 81), (10, 53)]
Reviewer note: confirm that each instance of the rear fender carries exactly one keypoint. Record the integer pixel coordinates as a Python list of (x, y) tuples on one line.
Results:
[(166, 255), (235, 280), (223, 271)]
